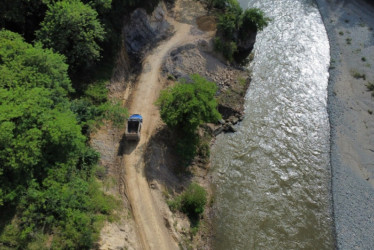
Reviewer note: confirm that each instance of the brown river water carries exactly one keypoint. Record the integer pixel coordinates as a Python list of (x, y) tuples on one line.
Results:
[(272, 177)]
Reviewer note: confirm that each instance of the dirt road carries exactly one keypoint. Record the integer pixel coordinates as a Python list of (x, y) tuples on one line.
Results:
[(152, 232)]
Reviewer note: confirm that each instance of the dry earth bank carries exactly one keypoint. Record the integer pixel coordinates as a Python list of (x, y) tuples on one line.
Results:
[(350, 24)]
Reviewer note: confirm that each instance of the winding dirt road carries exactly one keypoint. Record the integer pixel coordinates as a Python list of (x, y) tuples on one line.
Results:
[(151, 229)]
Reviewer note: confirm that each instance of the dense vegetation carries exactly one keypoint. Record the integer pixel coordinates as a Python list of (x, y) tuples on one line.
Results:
[(49, 195), (191, 202), (236, 28), (72, 29), (185, 106)]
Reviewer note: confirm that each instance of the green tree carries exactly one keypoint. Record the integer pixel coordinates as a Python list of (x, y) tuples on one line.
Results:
[(193, 200), (252, 20), (101, 6), (46, 168), (235, 29), (35, 136), (227, 25), (27, 66), (187, 105), (38, 130), (72, 29)]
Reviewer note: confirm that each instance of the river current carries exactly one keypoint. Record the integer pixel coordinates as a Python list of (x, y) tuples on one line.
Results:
[(272, 177)]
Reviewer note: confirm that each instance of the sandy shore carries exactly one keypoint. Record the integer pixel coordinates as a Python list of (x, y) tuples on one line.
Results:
[(350, 24)]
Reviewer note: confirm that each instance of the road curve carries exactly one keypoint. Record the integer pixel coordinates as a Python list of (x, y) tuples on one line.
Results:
[(151, 229)]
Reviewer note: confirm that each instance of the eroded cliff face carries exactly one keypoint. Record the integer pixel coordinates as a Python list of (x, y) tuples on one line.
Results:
[(142, 32)]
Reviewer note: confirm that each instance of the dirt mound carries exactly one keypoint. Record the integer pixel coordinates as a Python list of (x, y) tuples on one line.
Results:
[(206, 23)]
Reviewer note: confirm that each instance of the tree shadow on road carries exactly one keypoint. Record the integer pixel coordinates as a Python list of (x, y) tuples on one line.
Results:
[(162, 163)]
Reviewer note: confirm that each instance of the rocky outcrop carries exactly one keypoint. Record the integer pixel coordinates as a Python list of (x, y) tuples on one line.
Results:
[(245, 46), (143, 31), (232, 83)]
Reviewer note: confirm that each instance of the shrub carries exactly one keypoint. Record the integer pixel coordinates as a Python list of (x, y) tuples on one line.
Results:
[(227, 25), (193, 200), (185, 106), (204, 151), (252, 20), (236, 27)]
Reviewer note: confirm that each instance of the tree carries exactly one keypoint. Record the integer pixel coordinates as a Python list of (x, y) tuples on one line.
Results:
[(35, 136), (187, 105), (237, 30), (46, 167), (252, 20), (37, 129), (72, 29), (27, 66)]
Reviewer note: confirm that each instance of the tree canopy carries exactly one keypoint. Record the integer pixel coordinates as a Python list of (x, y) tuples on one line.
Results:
[(24, 65), (72, 29), (46, 166), (38, 130), (187, 105)]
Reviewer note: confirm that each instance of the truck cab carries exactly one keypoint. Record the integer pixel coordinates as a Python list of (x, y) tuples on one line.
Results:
[(134, 126)]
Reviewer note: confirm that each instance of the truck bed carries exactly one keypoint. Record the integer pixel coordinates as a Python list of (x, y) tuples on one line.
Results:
[(132, 127)]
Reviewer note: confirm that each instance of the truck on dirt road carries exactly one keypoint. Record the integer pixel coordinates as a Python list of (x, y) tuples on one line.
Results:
[(134, 126)]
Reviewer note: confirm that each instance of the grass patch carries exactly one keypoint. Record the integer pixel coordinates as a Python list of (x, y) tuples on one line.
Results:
[(341, 33), (363, 59), (370, 112), (370, 87), (348, 40), (358, 75)]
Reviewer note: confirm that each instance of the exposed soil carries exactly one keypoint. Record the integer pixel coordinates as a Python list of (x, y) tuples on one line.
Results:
[(206, 23)]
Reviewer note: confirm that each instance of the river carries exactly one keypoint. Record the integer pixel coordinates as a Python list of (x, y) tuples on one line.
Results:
[(272, 177)]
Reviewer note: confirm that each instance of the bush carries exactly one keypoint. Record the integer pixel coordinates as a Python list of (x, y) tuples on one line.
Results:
[(204, 151), (193, 200), (253, 20), (227, 25), (235, 27), (71, 207), (185, 106)]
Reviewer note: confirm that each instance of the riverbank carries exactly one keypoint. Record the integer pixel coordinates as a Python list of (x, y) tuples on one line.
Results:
[(350, 30)]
